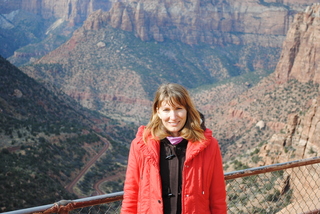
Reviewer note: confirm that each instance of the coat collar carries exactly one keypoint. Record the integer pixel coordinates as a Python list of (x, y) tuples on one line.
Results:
[(151, 149), (194, 148)]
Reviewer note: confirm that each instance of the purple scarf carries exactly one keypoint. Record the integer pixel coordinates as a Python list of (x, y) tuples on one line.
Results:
[(175, 140)]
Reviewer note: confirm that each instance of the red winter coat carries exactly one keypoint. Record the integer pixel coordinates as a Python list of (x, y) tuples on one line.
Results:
[(203, 186)]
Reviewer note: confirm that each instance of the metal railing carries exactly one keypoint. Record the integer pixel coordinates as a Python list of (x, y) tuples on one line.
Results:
[(278, 188), (291, 187), (67, 206)]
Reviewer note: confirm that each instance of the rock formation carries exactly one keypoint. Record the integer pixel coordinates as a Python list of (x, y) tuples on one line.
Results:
[(300, 137), (299, 60), (300, 140), (214, 22), (217, 22), (296, 136), (280, 101), (300, 54)]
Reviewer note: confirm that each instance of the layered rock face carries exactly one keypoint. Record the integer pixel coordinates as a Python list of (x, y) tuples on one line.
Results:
[(73, 11), (214, 22), (300, 55), (217, 22)]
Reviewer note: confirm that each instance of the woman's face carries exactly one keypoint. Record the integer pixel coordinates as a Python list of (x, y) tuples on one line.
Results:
[(173, 117)]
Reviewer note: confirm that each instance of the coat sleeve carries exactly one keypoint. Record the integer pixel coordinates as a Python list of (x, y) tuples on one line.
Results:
[(218, 203), (131, 185)]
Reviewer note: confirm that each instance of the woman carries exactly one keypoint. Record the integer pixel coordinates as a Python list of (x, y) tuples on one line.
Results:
[(175, 164)]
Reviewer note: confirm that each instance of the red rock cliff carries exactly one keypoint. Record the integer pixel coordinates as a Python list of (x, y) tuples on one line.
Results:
[(220, 22), (301, 50), (201, 21)]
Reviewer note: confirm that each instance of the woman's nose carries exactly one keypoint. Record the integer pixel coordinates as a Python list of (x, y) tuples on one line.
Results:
[(173, 114)]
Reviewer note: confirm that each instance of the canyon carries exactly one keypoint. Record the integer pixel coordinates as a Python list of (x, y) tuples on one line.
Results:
[(232, 109), (121, 51)]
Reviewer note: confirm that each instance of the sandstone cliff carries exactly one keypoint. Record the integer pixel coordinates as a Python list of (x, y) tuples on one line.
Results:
[(300, 54), (216, 22), (299, 60), (258, 23), (220, 22)]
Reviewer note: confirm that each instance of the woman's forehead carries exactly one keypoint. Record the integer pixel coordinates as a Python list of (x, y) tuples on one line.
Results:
[(169, 102)]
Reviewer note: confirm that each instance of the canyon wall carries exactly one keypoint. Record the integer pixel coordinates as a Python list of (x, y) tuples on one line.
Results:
[(218, 22), (300, 51), (214, 22)]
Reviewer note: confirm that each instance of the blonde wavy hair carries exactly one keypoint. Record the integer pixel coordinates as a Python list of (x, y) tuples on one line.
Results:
[(174, 94)]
